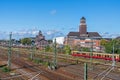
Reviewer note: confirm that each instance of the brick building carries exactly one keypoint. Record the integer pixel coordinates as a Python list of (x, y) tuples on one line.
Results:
[(82, 37)]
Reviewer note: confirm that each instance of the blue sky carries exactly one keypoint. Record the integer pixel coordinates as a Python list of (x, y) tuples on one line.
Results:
[(59, 15)]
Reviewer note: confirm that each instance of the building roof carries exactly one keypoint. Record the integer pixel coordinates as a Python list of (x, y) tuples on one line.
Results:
[(73, 34), (94, 34), (90, 34)]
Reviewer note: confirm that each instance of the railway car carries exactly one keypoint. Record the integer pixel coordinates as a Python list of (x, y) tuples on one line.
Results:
[(94, 55)]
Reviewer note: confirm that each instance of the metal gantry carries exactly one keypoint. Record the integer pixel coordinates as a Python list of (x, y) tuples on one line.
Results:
[(9, 51)]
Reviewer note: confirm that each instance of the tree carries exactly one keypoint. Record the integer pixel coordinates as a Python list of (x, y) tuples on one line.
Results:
[(50, 41), (113, 43), (67, 49), (85, 49), (48, 48), (103, 42), (26, 41), (76, 48)]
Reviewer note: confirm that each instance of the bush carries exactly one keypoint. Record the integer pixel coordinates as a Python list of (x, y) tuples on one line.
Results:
[(46, 57), (37, 61), (5, 69), (45, 63)]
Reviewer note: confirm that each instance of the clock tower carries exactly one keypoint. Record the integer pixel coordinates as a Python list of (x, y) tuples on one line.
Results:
[(83, 27)]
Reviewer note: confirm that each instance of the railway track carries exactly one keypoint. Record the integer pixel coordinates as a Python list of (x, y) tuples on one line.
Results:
[(30, 67)]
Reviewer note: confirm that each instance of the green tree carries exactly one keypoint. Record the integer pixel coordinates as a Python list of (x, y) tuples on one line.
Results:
[(26, 41), (110, 44), (50, 41), (67, 49), (48, 48), (85, 49), (103, 42), (108, 47)]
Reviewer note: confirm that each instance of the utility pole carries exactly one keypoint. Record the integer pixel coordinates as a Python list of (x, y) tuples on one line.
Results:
[(85, 71), (55, 55), (32, 51), (113, 58), (91, 54), (9, 51)]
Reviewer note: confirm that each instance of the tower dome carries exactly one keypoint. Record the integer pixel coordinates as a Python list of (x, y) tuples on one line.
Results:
[(83, 18)]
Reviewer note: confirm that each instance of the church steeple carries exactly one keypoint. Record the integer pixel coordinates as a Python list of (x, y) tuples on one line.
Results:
[(40, 33), (83, 26)]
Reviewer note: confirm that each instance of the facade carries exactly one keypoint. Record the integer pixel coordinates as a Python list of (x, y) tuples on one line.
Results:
[(40, 41), (83, 38)]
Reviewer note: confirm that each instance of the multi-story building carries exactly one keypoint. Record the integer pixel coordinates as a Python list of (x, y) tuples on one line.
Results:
[(83, 38)]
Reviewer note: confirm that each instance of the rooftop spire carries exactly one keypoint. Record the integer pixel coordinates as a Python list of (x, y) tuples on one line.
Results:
[(40, 32)]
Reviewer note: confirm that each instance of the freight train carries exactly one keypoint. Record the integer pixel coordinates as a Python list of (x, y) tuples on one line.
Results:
[(104, 56)]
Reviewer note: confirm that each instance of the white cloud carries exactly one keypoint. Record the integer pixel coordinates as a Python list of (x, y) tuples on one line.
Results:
[(53, 12), (50, 32), (109, 35), (34, 32)]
